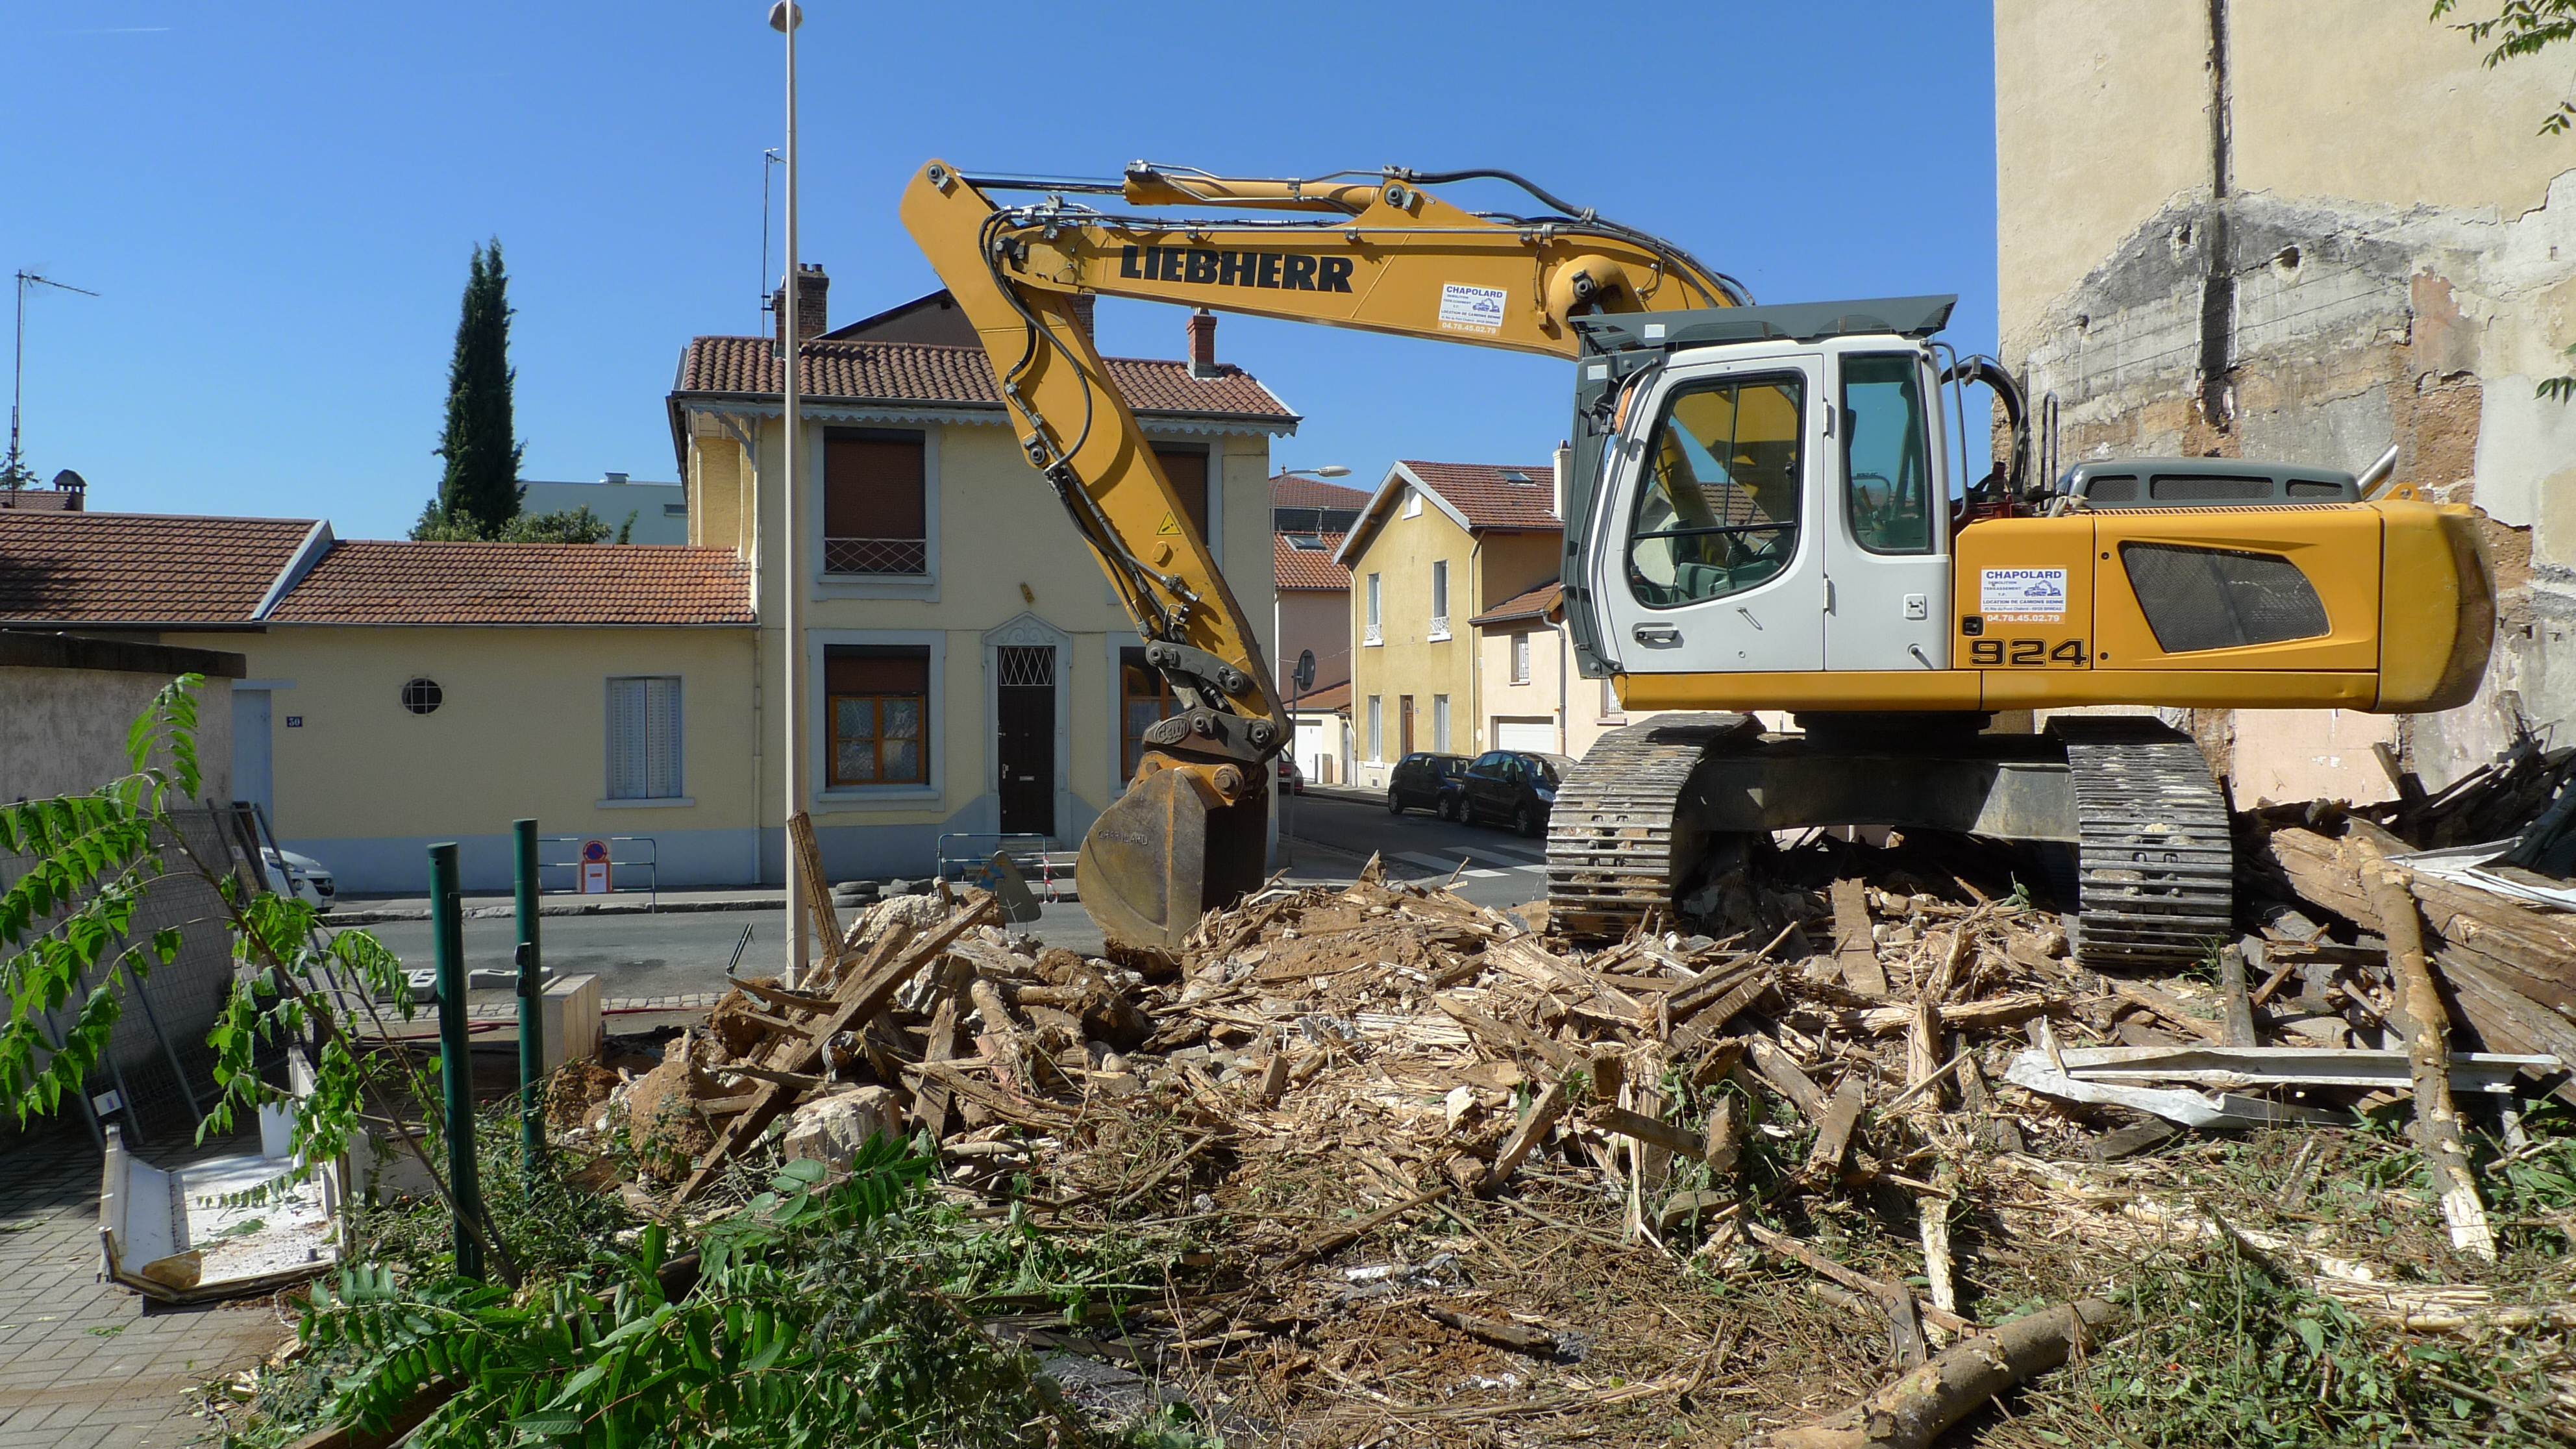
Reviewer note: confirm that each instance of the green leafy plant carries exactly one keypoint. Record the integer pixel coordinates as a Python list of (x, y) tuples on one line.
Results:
[(2527, 27), (66, 927)]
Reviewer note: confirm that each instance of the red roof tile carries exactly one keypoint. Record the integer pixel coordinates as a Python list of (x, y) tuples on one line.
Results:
[(1480, 491), (1307, 568), (1520, 608), (955, 376), (1287, 491), (368, 582), (139, 568)]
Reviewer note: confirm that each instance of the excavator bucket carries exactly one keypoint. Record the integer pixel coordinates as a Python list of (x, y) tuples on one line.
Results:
[(1167, 852)]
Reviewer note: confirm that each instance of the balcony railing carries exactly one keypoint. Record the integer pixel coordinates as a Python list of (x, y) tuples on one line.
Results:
[(876, 556), (1374, 636)]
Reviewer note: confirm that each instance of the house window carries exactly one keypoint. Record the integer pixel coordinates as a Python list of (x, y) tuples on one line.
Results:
[(1377, 726), (1440, 723), (1412, 503), (877, 699), (1440, 599), (1376, 634), (1186, 465), (1609, 696), (423, 696), (875, 503), (644, 738), (1144, 697), (1520, 657)]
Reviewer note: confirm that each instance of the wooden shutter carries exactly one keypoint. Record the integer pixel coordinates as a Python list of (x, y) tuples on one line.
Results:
[(1187, 467), (872, 485)]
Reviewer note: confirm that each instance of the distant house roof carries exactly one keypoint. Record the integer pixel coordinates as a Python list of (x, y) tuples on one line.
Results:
[(99, 570), (1332, 698), (1478, 497), (957, 377), (1301, 567), (375, 582), (1287, 491), (1538, 603), (142, 569)]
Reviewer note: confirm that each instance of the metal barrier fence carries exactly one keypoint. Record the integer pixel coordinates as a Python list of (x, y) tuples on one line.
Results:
[(969, 858), (569, 869)]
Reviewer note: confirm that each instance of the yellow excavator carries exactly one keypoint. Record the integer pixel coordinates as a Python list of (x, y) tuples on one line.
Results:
[(1769, 508)]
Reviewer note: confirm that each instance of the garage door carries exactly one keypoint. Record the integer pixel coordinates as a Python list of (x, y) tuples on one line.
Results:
[(1525, 734)]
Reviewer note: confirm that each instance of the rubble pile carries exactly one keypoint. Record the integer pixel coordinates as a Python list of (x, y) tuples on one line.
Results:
[(1414, 1168)]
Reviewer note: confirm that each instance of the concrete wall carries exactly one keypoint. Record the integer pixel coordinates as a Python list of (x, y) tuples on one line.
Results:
[(648, 503), (1008, 568), (66, 726), (1314, 619), (364, 785), (2305, 230)]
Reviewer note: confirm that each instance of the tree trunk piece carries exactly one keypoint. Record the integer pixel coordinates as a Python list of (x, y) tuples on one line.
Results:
[(1912, 1411)]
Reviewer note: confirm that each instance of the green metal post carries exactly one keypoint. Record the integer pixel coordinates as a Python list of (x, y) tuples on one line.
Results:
[(532, 1020), (455, 1068)]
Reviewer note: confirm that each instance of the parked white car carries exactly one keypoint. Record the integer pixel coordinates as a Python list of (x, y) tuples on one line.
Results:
[(307, 879)]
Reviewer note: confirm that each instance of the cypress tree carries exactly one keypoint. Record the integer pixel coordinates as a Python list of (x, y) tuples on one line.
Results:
[(480, 492)]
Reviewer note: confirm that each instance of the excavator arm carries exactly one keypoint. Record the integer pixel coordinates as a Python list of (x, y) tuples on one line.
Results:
[(1372, 251)]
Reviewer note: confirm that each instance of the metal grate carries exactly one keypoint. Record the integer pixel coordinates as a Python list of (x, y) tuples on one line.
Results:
[(2218, 598), (1026, 667), (876, 556)]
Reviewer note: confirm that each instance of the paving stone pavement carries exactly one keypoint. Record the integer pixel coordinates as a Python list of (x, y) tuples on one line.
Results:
[(85, 1363)]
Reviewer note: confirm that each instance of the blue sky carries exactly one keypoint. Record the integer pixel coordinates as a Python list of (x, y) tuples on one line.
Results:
[(276, 201)]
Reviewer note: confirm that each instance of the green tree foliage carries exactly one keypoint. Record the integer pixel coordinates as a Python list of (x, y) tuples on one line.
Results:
[(572, 525), (480, 493)]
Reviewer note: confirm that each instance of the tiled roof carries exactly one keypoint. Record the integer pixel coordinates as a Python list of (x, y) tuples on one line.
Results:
[(957, 376), (1330, 697), (369, 582), (1308, 568), (1520, 607), (139, 568), (1287, 491), (1479, 491)]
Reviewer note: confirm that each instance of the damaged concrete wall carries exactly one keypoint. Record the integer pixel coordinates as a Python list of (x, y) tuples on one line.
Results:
[(2306, 230)]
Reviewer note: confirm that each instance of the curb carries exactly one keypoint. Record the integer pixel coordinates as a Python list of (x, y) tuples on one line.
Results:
[(486, 913)]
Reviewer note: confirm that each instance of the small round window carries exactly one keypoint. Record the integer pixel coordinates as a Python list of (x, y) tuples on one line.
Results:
[(422, 696)]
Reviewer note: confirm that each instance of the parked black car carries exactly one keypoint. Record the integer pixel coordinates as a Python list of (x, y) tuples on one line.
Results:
[(1418, 781), (1511, 787)]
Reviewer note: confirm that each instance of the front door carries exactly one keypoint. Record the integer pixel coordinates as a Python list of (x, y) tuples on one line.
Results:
[(1715, 566), (254, 767), (1024, 701), (1404, 713), (1886, 525)]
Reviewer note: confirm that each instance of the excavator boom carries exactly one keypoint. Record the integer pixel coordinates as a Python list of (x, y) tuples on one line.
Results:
[(1375, 252)]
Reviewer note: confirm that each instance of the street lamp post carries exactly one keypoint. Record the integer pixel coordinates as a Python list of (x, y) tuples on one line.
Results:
[(784, 17)]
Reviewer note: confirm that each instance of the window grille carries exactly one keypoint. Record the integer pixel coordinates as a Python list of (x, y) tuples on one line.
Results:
[(1026, 667)]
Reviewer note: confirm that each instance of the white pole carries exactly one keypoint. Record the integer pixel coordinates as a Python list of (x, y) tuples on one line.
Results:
[(785, 17)]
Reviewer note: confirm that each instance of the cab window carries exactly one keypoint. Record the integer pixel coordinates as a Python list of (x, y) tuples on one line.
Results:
[(1887, 455), (1717, 512)]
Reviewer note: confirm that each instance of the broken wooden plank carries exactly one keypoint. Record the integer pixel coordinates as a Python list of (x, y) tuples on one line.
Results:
[(1651, 1130), (1709, 1022), (1786, 1078), (1518, 1337), (818, 894), (1855, 953), (1834, 1130), (1886, 1293), (2428, 1048), (1507, 1036), (1534, 1123), (2237, 1009), (1335, 1242), (2168, 1008)]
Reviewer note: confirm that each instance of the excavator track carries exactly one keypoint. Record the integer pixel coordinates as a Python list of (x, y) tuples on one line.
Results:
[(1613, 857), (2155, 861)]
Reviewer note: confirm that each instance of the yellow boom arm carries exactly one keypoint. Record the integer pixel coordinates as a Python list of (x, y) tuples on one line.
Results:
[(1373, 252)]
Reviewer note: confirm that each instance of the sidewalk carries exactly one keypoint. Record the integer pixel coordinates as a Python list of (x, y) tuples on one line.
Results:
[(369, 910), (84, 1363)]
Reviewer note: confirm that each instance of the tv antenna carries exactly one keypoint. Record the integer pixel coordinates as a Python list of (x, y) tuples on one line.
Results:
[(13, 472), (768, 159)]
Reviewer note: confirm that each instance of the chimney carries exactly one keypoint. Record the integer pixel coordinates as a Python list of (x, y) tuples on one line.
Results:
[(1564, 473), (612, 477), (1202, 343), (812, 286), (1085, 308)]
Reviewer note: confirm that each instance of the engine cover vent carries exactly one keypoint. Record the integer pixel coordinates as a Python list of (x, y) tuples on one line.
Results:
[(2219, 598)]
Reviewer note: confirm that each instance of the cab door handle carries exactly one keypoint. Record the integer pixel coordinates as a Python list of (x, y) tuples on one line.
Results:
[(1656, 634)]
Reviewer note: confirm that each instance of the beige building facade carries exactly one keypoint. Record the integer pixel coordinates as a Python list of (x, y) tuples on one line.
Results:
[(1438, 544), (2304, 230), (967, 671), (1534, 698)]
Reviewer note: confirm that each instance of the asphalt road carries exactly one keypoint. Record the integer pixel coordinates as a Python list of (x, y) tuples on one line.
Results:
[(664, 955)]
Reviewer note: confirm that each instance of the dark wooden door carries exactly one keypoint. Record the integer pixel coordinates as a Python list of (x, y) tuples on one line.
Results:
[(1024, 702), (1405, 714)]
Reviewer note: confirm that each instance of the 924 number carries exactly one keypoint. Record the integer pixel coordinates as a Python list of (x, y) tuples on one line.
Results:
[(2027, 653)]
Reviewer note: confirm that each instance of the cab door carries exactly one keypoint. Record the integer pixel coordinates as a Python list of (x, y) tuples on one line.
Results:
[(1710, 563), (1886, 515)]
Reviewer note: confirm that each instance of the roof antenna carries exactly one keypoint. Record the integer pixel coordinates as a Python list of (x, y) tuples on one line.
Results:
[(768, 159), (13, 471)]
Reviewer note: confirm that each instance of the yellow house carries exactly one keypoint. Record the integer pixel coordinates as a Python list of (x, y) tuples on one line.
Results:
[(1533, 697), (1438, 544), (397, 694), (966, 670)]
